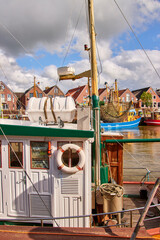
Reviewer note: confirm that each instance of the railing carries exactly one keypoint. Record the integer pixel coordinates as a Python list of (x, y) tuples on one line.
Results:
[(91, 217), (145, 177)]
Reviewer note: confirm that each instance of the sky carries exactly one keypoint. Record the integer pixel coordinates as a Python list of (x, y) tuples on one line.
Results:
[(37, 37)]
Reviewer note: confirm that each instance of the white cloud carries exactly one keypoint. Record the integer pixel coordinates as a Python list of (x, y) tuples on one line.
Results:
[(50, 25)]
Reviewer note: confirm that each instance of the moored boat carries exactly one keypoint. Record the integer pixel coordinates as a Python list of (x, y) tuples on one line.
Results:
[(152, 122), (120, 125)]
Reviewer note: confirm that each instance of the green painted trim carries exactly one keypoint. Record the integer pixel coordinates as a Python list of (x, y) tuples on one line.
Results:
[(132, 140), (17, 130)]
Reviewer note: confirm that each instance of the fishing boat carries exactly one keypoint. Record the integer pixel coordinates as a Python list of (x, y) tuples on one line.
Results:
[(152, 122), (117, 115), (120, 125)]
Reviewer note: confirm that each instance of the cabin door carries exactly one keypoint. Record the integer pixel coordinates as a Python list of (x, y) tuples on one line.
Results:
[(70, 200), (16, 181)]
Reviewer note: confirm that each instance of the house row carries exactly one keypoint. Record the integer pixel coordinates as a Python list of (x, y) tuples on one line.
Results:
[(11, 101), (81, 96)]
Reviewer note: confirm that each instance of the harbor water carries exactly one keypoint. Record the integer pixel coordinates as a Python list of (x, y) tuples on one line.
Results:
[(141, 160)]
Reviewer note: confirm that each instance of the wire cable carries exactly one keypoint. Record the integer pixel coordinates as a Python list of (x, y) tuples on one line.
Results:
[(72, 35), (27, 175), (137, 39)]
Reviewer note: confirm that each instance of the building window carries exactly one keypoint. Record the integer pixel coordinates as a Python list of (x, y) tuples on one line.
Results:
[(5, 106), (127, 97), (9, 97), (104, 99), (155, 104), (16, 154), (154, 97), (39, 155), (159, 105), (55, 90), (30, 95), (2, 97), (123, 99), (13, 98), (40, 95)]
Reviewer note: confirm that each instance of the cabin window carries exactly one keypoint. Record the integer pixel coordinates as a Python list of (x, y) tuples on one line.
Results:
[(40, 95), (16, 154), (39, 155), (70, 157)]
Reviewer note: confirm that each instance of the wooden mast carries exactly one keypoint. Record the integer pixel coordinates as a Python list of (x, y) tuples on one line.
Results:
[(95, 98), (34, 88)]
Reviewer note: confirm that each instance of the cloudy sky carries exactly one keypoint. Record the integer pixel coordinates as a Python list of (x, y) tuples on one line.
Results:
[(37, 37)]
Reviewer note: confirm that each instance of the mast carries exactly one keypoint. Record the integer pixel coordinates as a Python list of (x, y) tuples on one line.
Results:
[(34, 88), (95, 98)]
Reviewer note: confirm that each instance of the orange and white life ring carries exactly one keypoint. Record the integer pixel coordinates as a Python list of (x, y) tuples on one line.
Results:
[(67, 169)]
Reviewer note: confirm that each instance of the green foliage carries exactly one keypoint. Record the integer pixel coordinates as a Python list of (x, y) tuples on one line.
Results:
[(146, 98), (101, 103)]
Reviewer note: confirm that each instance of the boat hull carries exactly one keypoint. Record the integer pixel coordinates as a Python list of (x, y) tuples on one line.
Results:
[(121, 125), (152, 122)]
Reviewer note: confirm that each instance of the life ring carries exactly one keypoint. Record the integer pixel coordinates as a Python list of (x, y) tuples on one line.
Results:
[(76, 168)]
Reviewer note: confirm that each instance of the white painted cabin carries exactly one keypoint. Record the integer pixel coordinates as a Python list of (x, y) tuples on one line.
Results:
[(37, 179)]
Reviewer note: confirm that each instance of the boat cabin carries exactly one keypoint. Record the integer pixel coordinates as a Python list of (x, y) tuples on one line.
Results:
[(45, 172)]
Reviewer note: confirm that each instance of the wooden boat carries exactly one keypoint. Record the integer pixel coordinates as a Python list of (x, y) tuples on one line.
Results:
[(120, 125), (152, 122), (47, 171)]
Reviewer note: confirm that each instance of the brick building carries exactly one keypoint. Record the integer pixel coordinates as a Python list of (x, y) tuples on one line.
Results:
[(53, 92), (79, 94), (23, 100), (155, 97), (8, 98), (124, 95)]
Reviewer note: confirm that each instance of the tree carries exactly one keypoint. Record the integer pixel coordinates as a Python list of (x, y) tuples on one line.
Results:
[(146, 99)]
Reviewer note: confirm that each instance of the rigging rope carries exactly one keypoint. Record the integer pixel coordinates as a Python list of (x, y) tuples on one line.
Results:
[(137, 39)]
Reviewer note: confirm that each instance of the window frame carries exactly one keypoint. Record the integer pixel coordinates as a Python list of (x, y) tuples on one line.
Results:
[(40, 168), (9, 156), (9, 99)]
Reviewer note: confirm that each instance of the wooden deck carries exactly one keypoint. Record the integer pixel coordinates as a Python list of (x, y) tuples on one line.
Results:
[(46, 233), (131, 203)]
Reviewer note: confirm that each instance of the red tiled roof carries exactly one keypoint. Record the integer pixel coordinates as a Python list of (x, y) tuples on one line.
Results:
[(120, 92), (46, 91), (75, 92), (101, 90)]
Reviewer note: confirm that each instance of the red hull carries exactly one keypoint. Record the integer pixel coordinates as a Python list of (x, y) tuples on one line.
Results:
[(152, 122)]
